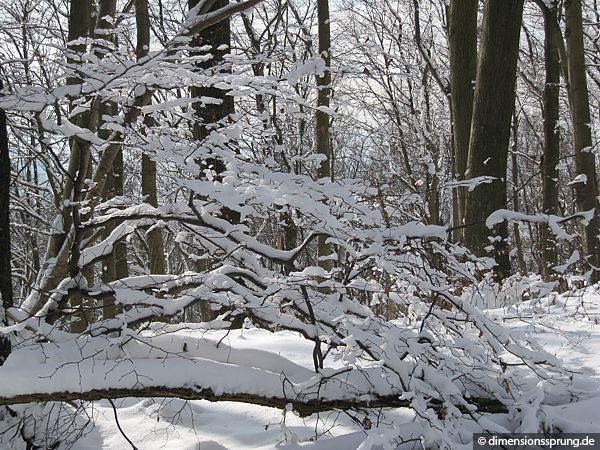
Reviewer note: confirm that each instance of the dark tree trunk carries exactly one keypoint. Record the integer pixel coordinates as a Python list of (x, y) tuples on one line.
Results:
[(5, 268), (551, 138), (323, 135), (463, 70), (115, 265), (79, 166), (218, 37), (211, 116), (493, 104), (516, 207), (586, 193), (156, 252)]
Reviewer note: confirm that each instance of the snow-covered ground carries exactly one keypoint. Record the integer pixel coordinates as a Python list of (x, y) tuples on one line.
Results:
[(178, 424), (567, 326)]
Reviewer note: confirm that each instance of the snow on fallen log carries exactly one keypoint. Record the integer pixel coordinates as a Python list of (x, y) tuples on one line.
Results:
[(201, 379), (176, 365), (303, 406)]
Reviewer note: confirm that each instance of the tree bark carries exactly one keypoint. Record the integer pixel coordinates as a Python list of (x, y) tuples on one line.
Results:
[(323, 134), (218, 37), (493, 104), (79, 168), (210, 116), (156, 252), (462, 39), (516, 207), (114, 267), (586, 193), (5, 268), (303, 407), (551, 138)]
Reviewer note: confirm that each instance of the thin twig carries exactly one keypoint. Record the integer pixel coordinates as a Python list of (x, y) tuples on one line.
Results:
[(119, 425)]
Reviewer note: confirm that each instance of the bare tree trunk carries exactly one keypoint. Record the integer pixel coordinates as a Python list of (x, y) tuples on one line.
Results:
[(156, 253), (515, 181), (57, 254), (463, 70), (115, 265), (79, 169), (218, 37), (551, 137), (323, 135), (120, 251), (586, 192), (5, 268), (493, 105), (209, 116)]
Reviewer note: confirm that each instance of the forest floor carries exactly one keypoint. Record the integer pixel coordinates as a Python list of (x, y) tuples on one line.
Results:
[(567, 326)]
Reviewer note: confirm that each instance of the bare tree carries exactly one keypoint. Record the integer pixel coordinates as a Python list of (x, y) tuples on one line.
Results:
[(493, 105), (323, 135), (5, 268), (114, 267), (156, 252), (551, 134), (586, 189), (80, 27), (210, 117), (462, 39)]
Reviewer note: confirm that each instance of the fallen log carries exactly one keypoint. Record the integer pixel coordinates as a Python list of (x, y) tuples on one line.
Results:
[(303, 407)]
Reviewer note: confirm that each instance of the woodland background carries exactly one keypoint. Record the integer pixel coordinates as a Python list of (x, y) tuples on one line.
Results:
[(357, 171)]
